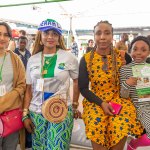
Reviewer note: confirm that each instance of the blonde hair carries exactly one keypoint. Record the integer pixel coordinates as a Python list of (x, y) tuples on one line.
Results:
[(38, 46)]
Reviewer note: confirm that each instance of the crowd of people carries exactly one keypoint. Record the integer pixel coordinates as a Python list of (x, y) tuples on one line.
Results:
[(33, 82)]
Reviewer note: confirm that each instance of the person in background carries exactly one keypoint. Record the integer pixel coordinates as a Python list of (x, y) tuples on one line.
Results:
[(24, 54), (140, 50), (21, 51), (12, 43), (122, 45), (74, 47), (32, 44), (99, 85), (148, 36), (12, 84), (90, 46), (22, 33), (51, 66)]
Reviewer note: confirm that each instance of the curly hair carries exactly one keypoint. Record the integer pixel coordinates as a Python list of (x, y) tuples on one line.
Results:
[(139, 38)]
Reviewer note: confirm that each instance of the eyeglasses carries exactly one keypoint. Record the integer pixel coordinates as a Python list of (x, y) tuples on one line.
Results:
[(105, 63)]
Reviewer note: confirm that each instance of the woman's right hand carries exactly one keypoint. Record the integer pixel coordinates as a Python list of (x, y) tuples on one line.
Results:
[(107, 108), (28, 124)]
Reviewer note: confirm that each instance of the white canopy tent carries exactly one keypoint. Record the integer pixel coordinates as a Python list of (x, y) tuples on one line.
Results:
[(79, 14)]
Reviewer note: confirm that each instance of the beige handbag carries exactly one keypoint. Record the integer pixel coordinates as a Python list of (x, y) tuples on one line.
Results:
[(55, 109)]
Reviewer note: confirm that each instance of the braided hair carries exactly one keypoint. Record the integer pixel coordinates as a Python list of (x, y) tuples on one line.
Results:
[(113, 54)]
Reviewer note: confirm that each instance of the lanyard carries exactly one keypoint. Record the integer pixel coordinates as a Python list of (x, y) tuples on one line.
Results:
[(42, 64), (1, 68), (44, 71)]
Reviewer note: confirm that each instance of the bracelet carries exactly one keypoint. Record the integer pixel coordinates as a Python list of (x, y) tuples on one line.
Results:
[(25, 113), (25, 110), (75, 111), (75, 103), (25, 117)]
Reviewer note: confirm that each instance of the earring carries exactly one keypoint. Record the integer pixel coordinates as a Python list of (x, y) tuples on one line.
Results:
[(41, 43)]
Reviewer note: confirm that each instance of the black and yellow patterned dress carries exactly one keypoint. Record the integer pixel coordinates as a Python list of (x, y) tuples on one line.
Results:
[(100, 128)]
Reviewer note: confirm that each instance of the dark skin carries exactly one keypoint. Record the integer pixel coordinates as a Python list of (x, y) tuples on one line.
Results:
[(103, 37), (77, 114), (28, 124), (22, 44)]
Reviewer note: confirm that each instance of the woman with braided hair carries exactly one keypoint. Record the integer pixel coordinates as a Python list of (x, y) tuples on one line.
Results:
[(104, 127)]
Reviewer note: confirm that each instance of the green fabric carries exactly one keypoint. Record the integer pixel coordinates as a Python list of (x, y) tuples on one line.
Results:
[(50, 66), (52, 136)]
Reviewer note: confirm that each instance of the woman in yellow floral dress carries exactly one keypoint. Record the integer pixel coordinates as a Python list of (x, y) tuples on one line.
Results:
[(100, 68)]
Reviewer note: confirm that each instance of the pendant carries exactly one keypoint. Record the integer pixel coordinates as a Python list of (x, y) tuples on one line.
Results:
[(47, 62), (44, 71)]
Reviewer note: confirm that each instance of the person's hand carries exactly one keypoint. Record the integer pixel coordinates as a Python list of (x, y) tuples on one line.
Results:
[(77, 114), (132, 81), (28, 124), (107, 108)]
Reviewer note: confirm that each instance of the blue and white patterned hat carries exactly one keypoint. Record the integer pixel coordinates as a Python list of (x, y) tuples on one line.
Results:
[(50, 24)]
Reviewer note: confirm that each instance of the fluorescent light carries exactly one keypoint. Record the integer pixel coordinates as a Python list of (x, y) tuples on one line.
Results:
[(146, 29)]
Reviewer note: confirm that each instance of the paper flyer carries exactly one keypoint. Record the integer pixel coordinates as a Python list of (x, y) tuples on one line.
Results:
[(142, 72)]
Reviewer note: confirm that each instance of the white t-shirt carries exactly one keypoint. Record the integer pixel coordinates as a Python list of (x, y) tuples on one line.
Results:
[(66, 68)]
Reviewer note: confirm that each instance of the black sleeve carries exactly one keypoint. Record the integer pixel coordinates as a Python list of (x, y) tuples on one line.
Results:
[(84, 84), (128, 58)]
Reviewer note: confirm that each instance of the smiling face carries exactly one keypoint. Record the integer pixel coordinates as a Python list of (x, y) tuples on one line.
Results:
[(4, 37), (140, 51), (50, 39), (22, 44), (125, 37), (103, 36)]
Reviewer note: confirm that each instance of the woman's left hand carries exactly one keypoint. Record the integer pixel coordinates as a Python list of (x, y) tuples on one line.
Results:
[(77, 114)]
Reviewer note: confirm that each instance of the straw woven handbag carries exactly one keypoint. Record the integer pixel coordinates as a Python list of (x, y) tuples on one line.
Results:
[(55, 109)]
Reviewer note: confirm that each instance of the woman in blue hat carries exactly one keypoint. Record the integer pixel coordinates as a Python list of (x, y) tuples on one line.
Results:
[(48, 75)]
